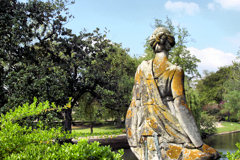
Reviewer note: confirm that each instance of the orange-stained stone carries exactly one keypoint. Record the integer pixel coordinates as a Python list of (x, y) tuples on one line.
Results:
[(129, 114), (183, 103), (168, 74), (149, 102), (152, 122), (171, 73), (138, 76), (129, 132), (144, 133), (151, 144), (177, 84), (133, 103), (147, 130), (169, 117), (192, 154), (160, 66), (149, 83), (174, 152), (150, 132), (208, 149), (169, 130)]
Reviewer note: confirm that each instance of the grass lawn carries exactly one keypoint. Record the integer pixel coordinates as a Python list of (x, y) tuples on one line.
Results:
[(112, 130), (98, 131), (228, 127)]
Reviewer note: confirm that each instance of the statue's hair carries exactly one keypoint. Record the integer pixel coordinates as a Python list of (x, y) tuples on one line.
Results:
[(163, 37)]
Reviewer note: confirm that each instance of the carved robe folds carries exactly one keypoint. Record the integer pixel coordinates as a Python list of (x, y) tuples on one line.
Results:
[(158, 89)]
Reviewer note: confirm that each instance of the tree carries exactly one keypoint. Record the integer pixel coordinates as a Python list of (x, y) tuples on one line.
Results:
[(26, 32), (211, 88), (118, 70), (121, 71), (42, 58), (232, 104), (231, 97), (88, 109)]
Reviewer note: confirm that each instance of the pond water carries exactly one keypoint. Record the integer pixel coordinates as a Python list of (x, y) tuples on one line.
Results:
[(222, 143)]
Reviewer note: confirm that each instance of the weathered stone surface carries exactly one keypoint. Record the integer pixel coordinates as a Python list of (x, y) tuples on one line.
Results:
[(159, 107)]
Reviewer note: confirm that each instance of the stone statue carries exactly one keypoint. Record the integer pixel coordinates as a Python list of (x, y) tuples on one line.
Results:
[(159, 124)]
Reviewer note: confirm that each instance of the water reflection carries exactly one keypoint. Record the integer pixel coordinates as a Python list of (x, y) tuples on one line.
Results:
[(222, 143)]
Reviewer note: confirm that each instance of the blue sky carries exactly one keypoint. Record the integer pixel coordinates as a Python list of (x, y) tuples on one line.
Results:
[(214, 25)]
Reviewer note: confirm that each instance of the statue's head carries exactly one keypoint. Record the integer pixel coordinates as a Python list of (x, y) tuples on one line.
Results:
[(161, 39)]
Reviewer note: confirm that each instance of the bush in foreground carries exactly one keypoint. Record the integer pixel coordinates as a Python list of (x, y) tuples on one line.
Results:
[(21, 142), (235, 155)]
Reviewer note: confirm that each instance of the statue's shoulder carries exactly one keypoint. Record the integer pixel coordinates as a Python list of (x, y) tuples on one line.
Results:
[(145, 66), (173, 67)]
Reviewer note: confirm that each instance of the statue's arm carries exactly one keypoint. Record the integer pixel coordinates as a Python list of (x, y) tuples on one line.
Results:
[(183, 113)]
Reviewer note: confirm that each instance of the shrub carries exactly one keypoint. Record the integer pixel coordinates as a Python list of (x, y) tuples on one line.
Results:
[(207, 124), (23, 142), (80, 151), (235, 155)]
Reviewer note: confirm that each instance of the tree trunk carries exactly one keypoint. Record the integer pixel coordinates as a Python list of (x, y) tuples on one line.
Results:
[(68, 120), (119, 121), (91, 126)]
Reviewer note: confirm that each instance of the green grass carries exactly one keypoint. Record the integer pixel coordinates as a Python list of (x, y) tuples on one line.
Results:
[(98, 131), (228, 127)]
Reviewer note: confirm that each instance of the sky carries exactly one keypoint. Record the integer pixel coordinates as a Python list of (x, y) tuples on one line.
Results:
[(214, 25)]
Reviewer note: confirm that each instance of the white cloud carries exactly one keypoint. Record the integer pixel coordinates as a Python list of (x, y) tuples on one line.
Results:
[(211, 58), (229, 4), (182, 7), (212, 6)]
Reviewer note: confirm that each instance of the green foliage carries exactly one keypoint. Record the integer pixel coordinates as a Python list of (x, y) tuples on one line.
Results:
[(26, 32), (232, 103), (119, 68), (222, 88), (211, 87), (231, 97), (112, 97), (44, 59), (193, 102), (204, 120), (235, 155), (15, 138), (80, 151), (207, 122), (88, 109), (21, 142)]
